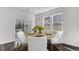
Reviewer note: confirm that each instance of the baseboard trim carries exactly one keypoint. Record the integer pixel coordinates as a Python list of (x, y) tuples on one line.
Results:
[(70, 46)]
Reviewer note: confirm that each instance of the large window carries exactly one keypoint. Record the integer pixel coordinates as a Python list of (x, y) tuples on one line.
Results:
[(53, 22), (48, 23), (58, 21)]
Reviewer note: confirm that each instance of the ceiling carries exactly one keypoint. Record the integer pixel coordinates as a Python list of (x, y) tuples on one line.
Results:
[(36, 10)]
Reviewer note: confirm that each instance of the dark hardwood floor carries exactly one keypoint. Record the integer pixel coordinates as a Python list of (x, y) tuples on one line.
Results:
[(56, 47), (23, 47)]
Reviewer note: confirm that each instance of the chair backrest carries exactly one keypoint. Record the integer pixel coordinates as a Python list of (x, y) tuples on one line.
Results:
[(59, 34), (21, 37), (37, 43), (57, 37)]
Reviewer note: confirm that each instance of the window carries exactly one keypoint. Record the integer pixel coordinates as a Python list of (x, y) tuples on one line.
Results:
[(58, 21), (47, 23)]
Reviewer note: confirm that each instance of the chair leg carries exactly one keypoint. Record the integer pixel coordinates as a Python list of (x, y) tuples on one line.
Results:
[(61, 46), (51, 47), (17, 44)]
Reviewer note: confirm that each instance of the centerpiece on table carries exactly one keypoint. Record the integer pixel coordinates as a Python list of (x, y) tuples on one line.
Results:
[(38, 29)]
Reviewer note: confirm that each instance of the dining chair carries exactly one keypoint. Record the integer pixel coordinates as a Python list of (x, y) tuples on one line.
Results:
[(21, 38), (37, 43), (57, 39)]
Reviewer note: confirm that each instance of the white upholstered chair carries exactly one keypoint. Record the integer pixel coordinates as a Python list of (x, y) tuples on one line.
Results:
[(57, 39), (37, 43), (21, 38)]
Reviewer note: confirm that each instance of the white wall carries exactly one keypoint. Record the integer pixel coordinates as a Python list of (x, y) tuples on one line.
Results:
[(7, 17), (71, 26)]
